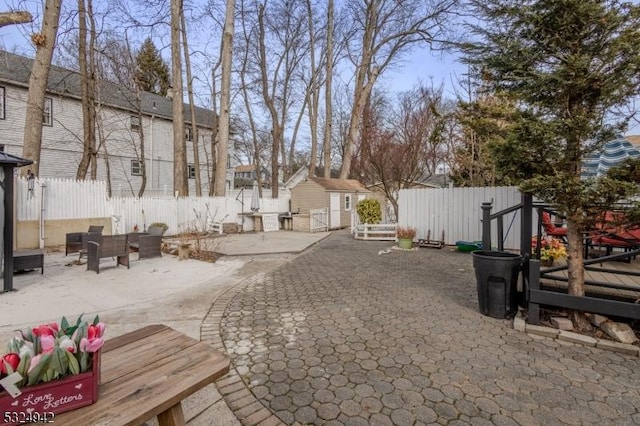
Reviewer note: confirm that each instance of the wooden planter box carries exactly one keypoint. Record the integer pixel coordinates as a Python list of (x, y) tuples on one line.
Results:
[(40, 403)]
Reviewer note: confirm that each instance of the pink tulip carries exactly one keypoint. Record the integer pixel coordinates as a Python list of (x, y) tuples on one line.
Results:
[(95, 331), (46, 329), (47, 343), (91, 345), (34, 362)]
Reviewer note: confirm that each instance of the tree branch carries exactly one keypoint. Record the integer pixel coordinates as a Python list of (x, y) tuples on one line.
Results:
[(12, 18)]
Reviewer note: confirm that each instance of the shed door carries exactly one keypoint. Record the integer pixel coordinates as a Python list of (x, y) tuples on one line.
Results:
[(334, 210)]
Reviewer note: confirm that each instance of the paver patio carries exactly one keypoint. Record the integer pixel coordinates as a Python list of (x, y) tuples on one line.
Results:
[(344, 335)]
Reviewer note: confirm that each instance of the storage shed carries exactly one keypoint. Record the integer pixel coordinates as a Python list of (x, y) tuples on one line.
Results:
[(338, 196)]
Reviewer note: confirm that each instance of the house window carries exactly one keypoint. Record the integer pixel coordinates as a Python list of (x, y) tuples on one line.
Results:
[(191, 170), (136, 168), (135, 122), (188, 133), (2, 103), (347, 202), (47, 112), (1, 148)]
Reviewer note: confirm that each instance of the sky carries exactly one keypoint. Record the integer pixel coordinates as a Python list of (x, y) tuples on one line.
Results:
[(420, 66)]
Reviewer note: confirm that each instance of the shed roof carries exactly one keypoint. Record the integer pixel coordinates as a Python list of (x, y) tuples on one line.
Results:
[(339, 184)]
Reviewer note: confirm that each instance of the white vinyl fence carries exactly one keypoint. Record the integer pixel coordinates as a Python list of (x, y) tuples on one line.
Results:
[(53, 199), (457, 212)]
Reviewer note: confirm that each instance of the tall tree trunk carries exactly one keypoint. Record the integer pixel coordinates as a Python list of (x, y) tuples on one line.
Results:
[(276, 130), (180, 183), (247, 104), (313, 94), (192, 109), (225, 99), (328, 115), (44, 42), (215, 131), (365, 77), (92, 88), (87, 83)]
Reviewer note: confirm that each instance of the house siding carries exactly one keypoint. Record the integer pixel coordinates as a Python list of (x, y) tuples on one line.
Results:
[(62, 143)]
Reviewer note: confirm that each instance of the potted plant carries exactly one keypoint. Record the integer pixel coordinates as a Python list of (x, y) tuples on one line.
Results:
[(550, 250), (50, 369), (405, 237)]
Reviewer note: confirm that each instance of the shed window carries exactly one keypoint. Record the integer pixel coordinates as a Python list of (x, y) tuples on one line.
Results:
[(347, 202)]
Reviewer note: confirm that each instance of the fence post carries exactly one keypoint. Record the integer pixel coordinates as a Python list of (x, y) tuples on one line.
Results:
[(486, 225), (526, 229)]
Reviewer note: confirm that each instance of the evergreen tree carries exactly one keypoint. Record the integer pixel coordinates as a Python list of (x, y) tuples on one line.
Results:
[(152, 72), (566, 64)]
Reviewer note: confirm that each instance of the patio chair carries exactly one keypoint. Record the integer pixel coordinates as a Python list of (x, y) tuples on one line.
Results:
[(76, 242), (147, 244)]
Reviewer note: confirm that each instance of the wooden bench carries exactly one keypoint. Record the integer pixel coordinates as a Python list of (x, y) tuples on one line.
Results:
[(28, 259), (107, 246), (147, 373)]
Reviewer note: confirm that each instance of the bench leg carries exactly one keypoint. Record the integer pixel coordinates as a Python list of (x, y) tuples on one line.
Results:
[(172, 417)]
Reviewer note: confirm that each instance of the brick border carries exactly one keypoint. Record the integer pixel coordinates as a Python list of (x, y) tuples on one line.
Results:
[(240, 400), (519, 324)]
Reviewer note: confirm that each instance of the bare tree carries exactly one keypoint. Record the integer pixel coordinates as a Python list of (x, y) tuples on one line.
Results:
[(180, 182), (86, 62), (313, 91), (328, 113), (257, 149), (215, 131), (225, 99), (192, 108), (388, 29), (277, 64), (45, 42)]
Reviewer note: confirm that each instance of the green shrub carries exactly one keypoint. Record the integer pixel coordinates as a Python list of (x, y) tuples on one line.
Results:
[(369, 211)]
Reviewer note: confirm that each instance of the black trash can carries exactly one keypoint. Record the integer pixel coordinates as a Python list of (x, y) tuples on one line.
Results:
[(497, 282)]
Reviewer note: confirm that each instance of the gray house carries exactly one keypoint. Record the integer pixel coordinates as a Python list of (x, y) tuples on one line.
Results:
[(338, 196), (121, 119)]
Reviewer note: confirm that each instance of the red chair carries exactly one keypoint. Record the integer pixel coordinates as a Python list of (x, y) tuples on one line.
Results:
[(612, 235), (551, 229)]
